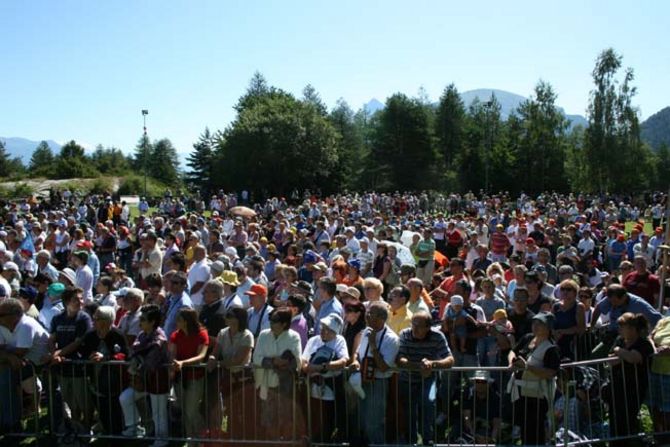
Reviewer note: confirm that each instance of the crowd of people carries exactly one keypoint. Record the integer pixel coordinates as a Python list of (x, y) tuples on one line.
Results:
[(338, 317)]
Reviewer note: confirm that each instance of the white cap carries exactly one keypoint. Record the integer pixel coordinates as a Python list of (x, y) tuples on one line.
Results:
[(457, 300)]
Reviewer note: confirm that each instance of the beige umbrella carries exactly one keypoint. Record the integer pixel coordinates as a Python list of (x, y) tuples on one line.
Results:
[(242, 211)]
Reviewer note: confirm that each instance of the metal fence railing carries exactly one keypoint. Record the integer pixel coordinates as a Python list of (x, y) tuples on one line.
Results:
[(603, 400)]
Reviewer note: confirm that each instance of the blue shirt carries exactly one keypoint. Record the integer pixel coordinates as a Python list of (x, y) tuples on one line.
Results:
[(94, 265), (259, 320), (635, 305), (50, 271), (332, 306), (175, 304)]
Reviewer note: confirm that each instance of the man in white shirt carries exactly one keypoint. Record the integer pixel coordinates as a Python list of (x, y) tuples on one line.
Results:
[(84, 275), (352, 242), (374, 359), (366, 256), (24, 344), (151, 257), (586, 245), (198, 275)]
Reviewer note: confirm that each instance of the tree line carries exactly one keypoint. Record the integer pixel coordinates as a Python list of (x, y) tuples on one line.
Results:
[(279, 142), (159, 158)]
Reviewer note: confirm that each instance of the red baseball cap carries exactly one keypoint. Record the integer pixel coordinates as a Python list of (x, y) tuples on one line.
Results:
[(85, 244), (257, 289)]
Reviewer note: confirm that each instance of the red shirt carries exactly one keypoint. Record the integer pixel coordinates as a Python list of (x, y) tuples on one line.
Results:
[(454, 238), (448, 285), (645, 286), (499, 243), (187, 347)]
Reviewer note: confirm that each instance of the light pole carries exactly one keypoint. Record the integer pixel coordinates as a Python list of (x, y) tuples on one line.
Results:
[(145, 112), (488, 105)]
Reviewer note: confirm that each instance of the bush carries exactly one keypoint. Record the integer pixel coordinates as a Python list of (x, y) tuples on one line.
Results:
[(17, 191), (134, 185), (102, 185)]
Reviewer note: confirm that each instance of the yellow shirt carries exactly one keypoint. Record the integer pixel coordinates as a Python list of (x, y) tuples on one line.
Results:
[(661, 338), (400, 319)]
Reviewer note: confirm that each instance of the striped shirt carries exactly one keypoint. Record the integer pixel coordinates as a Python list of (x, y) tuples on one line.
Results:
[(433, 347)]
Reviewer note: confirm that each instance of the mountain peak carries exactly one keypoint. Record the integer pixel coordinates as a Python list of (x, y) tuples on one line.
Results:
[(23, 147)]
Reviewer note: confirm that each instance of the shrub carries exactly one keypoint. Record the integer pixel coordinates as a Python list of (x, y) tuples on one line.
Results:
[(134, 185)]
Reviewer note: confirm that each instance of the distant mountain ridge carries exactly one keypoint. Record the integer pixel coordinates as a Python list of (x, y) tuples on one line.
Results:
[(655, 130), (509, 102), (23, 147)]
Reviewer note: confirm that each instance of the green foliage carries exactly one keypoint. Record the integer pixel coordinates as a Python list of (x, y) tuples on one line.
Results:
[(10, 167), (19, 190), (403, 154), (449, 124), (110, 161), (200, 162), (101, 185), (349, 169), (276, 143), (164, 162), (42, 162), (541, 150), (73, 163), (158, 159), (134, 185), (614, 153)]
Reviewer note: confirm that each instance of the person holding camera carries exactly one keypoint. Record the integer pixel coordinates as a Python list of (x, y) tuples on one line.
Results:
[(374, 359), (535, 361)]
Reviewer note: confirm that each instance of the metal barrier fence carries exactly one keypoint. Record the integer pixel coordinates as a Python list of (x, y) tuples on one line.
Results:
[(604, 400)]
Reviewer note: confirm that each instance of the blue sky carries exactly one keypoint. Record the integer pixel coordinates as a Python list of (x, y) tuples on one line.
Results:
[(84, 69)]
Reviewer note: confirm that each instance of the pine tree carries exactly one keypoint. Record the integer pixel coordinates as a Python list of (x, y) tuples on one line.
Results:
[(164, 162), (5, 161), (449, 124), (200, 162), (42, 160)]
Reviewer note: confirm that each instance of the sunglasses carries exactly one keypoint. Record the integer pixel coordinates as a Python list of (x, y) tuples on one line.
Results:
[(567, 289)]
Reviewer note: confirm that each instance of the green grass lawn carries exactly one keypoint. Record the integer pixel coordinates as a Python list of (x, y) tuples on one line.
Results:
[(648, 229)]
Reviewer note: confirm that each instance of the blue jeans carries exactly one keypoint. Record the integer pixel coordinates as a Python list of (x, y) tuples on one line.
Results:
[(418, 399), (487, 351), (373, 410)]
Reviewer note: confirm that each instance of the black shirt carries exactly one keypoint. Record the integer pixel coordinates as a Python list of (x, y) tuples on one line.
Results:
[(541, 301), (523, 324)]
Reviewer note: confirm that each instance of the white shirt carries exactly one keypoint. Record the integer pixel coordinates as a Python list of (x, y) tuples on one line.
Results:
[(354, 245), (388, 348), (84, 280), (29, 334), (586, 245), (270, 346), (199, 272), (49, 311), (339, 346)]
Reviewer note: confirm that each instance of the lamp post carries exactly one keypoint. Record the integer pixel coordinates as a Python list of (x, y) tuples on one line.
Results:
[(488, 105), (145, 112)]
